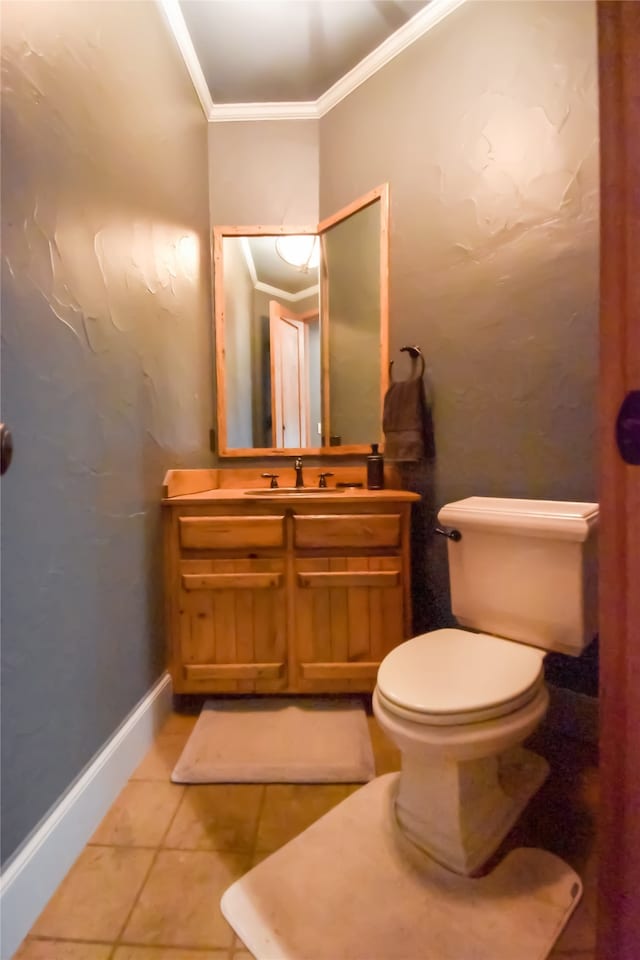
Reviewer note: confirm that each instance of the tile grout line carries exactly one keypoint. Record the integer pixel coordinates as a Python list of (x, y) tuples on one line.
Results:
[(252, 853), (261, 806), (218, 952), (118, 940), (113, 945), (235, 851), (247, 852), (46, 938)]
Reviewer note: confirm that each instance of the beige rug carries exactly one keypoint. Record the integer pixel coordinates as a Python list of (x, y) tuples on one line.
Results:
[(348, 889), (278, 740)]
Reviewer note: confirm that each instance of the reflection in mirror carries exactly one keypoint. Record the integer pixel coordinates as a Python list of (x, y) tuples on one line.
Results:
[(272, 345), (352, 303), (300, 338)]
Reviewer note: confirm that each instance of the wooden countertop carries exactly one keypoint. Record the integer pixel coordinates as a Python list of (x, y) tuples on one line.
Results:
[(264, 495), (248, 485)]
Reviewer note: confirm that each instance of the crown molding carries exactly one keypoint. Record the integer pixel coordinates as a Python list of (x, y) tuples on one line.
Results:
[(173, 17), (412, 30), (284, 294), (267, 287), (230, 112), (248, 257)]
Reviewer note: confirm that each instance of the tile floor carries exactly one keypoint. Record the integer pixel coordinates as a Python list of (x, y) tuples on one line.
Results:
[(148, 883)]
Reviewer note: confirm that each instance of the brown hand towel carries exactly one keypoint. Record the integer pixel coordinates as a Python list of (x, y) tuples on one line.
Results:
[(407, 423)]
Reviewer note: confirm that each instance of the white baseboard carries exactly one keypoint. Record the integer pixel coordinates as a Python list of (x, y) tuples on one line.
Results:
[(38, 867)]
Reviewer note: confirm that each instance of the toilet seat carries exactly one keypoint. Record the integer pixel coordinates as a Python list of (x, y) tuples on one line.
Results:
[(451, 677)]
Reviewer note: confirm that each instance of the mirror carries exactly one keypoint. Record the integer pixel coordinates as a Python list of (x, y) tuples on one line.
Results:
[(301, 316)]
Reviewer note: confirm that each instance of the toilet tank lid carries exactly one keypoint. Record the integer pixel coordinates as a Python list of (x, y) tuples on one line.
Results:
[(563, 519)]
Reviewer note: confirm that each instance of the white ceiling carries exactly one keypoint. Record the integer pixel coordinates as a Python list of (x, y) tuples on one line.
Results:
[(294, 59), (270, 269), (261, 51)]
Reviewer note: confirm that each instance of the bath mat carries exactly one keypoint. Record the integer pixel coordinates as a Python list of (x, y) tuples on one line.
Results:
[(350, 888), (278, 740)]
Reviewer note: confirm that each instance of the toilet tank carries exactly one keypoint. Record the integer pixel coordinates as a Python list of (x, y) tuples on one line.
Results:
[(525, 570)]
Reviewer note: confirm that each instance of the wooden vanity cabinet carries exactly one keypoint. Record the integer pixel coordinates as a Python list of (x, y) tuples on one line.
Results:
[(273, 597), (226, 587), (349, 598)]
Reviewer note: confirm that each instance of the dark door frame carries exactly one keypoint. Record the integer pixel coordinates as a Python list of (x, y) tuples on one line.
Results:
[(618, 936)]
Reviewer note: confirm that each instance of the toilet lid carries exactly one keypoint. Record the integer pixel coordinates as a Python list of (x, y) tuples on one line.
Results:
[(459, 676)]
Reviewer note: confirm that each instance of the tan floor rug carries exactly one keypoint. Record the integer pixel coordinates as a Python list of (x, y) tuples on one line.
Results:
[(348, 889), (278, 740)]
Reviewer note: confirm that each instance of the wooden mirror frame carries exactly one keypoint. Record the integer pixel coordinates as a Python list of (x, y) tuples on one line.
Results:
[(381, 194)]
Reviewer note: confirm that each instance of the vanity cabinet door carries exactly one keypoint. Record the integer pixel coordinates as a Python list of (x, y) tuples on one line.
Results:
[(232, 625), (348, 616)]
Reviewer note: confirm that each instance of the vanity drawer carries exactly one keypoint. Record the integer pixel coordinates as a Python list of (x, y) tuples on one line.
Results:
[(232, 624), (230, 533), (360, 530)]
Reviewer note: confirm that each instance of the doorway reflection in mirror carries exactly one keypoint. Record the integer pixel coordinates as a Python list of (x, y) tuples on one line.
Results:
[(302, 350), (272, 346)]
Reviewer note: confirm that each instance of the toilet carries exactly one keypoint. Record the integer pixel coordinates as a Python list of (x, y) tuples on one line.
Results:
[(458, 703)]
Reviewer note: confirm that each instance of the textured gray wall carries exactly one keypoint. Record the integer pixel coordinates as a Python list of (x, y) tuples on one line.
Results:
[(264, 172), (487, 131), (106, 374)]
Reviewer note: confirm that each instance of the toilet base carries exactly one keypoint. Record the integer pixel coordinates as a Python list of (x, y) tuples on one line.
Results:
[(458, 812)]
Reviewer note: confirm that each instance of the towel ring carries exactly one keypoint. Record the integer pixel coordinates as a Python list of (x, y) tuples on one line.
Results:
[(414, 353)]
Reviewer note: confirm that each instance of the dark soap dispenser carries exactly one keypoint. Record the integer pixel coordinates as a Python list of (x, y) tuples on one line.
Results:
[(375, 469)]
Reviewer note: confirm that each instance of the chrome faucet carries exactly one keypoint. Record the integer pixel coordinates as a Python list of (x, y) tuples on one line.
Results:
[(298, 469)]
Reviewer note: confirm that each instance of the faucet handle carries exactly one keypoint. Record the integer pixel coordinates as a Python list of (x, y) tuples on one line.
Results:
[(323, 479), (273, 477)]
